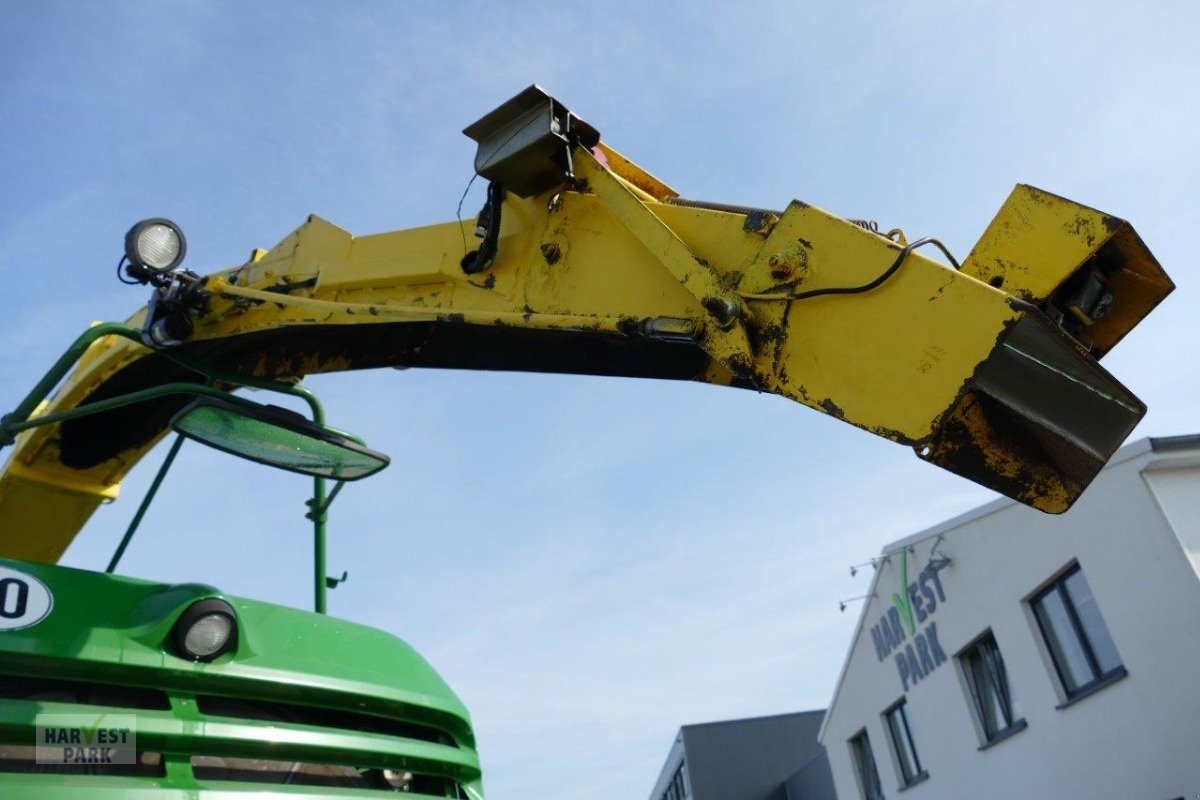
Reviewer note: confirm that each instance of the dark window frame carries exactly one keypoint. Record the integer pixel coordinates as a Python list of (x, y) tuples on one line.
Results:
[(1002, 686), (861, 754), (918, 772), (1100, 678), (679, 787)]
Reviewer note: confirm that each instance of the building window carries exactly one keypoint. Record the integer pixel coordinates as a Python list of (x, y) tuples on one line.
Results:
[(900, 729), (1078, 640), (678, 788), (864, 765), (990, 692)]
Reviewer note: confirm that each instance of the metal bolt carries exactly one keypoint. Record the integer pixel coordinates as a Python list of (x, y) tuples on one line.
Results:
[(740, 364), (551, 252), (724, 311), (780, 267)]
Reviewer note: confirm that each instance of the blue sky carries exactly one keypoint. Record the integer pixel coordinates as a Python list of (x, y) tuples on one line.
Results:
[(589, 562)]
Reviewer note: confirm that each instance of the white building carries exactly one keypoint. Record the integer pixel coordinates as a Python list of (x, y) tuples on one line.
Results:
[(1045, 657)]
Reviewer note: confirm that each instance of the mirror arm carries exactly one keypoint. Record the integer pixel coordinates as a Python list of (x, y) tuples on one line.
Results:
[(216, 375), (19, 420), (149, 498), (324, 507), (8, 429), (140, 396), (318, 504)]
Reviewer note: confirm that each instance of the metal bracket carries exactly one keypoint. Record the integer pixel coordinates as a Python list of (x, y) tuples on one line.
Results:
[(937, 559), (843, 603), (726, 341), (525, 143)]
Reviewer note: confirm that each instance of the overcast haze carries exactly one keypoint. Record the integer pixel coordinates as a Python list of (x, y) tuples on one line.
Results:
[(589, 562)]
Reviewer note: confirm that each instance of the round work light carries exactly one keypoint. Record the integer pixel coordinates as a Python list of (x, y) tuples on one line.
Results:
[(397, 779), (155, 244), (205, 630)]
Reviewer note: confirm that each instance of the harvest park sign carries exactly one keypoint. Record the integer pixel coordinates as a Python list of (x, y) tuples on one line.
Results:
[(917, 653)]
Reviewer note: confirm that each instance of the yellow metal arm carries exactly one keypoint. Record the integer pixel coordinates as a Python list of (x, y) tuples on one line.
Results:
[(607, 273)]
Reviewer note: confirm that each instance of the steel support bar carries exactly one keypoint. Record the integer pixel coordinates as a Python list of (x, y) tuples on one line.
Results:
[(726, 342), (20, 420), (57, 372), (121, 401), (146, 501)]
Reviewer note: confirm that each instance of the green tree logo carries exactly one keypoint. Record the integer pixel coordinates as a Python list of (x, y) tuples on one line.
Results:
[(900, 600)]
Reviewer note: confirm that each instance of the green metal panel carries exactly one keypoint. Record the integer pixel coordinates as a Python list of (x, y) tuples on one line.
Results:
[(116, 630)]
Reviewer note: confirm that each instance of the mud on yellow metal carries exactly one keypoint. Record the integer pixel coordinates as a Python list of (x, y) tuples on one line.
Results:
[(588, 264)]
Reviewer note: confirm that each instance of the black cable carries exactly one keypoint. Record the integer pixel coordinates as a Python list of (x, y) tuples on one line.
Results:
[(458, 213), (489, 219), (122, 277), (480, 168), (866, 287)]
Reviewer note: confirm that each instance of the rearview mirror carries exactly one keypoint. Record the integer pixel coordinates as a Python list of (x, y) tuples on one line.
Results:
[(276, 437)]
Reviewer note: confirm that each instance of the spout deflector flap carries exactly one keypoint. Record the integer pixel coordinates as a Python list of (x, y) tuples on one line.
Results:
[(1041, 420)]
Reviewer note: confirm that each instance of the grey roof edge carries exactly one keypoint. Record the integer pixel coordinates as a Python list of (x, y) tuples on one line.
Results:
[(670, 764), (1134, 449), (979, 512), (1167, 444), (694, 725), (1139, 447)]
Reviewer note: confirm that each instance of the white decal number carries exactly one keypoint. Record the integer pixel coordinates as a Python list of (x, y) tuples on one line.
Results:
[(24, 600)]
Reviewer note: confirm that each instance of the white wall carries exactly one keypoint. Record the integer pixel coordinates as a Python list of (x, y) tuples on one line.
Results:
[(1138, 738), (1176, 487)]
